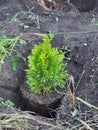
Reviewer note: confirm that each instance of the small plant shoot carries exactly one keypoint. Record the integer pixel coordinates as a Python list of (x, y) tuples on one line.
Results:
[(7, 47), (10, 103), (14, 64), (46, 70)]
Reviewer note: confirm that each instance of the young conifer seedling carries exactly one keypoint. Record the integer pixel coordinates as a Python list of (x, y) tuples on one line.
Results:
[(46, 70)]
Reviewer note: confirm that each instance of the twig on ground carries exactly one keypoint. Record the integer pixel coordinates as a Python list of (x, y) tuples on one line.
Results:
[(86, 103), (85, 125)]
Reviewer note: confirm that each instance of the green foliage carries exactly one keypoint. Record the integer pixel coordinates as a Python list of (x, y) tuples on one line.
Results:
[(45, 68), (18, 18), (51, 35), (14, 63), (7, 102), (74, 112), (21, 122), (10, 103), (94, 21), (7, 47), (1, 99)]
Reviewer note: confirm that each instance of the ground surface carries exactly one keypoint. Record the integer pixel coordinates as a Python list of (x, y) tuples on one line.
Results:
[(71, 28)]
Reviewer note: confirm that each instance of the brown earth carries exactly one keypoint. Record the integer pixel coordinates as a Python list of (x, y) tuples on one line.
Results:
[(71, 28)]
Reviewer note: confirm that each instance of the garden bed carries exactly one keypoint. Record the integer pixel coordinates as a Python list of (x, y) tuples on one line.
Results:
[(78, 31)]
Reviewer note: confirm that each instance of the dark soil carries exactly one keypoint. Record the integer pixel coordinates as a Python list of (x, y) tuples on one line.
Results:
[(72, 28)]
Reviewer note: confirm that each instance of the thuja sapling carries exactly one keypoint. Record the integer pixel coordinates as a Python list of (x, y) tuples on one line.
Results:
[(46, 69)]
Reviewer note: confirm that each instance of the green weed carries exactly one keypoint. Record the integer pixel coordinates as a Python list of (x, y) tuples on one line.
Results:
[(7, 46), (10, 103), (94, 21), (7, 102), (29, 15)]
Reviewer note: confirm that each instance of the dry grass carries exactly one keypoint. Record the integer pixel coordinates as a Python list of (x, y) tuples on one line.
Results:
[(14, 119)]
